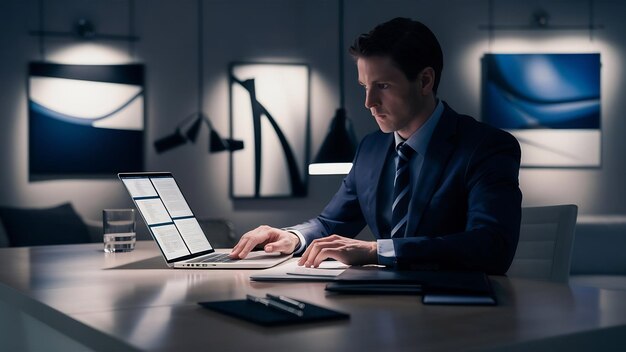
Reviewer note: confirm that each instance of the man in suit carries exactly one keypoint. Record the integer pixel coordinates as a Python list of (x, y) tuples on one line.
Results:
[(437, 189)]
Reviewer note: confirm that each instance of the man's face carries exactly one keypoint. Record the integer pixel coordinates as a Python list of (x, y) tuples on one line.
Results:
[(396, 103)]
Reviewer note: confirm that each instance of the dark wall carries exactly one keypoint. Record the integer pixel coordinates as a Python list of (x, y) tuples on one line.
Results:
[(290, 31)]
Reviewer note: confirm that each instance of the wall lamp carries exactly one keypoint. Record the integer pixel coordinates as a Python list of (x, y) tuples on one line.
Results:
[(188, 130), (540, 18), (83, 29)]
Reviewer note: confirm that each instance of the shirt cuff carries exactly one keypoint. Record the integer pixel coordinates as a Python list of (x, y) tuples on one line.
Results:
[(386, 252), (302, 244)]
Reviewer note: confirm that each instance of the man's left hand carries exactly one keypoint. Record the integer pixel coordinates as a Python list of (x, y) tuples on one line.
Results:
[(346, 250)]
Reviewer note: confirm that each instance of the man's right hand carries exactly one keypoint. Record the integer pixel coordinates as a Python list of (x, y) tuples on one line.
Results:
[(269, 238)]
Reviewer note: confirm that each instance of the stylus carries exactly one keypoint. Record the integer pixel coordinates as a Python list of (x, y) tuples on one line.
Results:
[(285, 299), (273, 304)]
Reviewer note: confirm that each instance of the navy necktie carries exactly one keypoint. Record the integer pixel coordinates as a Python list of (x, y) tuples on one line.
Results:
[(401, 191)]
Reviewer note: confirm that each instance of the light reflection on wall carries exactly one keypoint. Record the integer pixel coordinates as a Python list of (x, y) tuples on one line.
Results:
[(26, 193), (88, 53), (545, 185), (87, 99)]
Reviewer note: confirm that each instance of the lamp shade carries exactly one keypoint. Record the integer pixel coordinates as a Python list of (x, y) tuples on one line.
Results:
[(170, 142), (338, 149), (188, 131), (219, 144), (193, 131)]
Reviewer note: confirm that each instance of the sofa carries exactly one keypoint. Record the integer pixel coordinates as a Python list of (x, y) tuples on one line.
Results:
[(59, 224), (598, 252)]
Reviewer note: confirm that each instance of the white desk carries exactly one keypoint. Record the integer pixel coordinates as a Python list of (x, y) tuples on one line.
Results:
[(132, 301)]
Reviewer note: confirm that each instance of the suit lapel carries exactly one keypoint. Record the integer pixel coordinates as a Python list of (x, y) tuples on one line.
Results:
[(372, 179), (438, 153)]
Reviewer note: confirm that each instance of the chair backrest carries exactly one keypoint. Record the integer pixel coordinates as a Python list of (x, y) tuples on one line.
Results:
[(219, 232), (544, 250)]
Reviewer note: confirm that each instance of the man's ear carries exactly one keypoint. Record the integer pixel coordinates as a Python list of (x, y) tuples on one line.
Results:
[(427, 80)]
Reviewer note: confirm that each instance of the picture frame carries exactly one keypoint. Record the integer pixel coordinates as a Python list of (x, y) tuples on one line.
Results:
[(550, 102), (270, 113), (85, 120)]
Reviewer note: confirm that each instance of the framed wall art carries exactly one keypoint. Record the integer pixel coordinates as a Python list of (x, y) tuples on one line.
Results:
[(550, 103), (270, 114), (85, 119)]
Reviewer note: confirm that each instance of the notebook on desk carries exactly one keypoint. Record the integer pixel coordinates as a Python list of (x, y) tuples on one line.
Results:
[(436, 287), (176, 230)]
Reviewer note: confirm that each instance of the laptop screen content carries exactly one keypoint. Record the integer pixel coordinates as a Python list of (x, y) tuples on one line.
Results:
[(167, 215)]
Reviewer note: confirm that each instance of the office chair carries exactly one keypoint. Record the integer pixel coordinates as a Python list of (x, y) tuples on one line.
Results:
[(219, 232), (545, 245)]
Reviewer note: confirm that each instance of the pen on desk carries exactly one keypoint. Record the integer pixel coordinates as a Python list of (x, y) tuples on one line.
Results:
[(285, 299), (273, 304)]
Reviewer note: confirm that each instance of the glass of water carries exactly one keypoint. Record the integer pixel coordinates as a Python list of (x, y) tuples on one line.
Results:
[(119, 230)]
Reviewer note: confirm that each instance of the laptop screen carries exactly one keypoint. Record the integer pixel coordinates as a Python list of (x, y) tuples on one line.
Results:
[(167, 214)]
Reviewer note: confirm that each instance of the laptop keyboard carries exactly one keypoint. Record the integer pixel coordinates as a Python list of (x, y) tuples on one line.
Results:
[(214, 258)]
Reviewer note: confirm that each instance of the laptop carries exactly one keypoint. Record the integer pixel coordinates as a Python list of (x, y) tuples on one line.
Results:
[(176, 230)]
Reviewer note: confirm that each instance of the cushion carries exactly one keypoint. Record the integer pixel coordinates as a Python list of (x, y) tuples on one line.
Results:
[(43, 226), (610, 282), (599, 245), (4, 238)]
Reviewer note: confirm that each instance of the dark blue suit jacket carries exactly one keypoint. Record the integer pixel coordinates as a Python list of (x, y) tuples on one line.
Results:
[(465, 208)]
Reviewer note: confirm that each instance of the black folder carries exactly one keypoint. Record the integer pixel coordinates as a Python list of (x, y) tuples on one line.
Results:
[(436, 287), (267, 316)]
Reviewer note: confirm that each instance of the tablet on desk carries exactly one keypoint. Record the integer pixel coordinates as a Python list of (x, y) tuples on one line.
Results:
[(458, 299), (390, 289), (437, 287)]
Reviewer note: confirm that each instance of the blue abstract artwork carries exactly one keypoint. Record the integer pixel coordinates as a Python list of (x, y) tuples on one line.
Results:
[(550, 102), (85, 119)]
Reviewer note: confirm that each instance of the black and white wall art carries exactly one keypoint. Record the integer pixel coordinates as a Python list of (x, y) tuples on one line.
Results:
[(270, 114)]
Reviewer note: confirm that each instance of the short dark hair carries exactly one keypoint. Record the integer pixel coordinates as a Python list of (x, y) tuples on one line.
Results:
[(410, 44)]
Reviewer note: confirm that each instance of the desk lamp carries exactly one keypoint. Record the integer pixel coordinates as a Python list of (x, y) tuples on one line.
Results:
[(339, 146), (192, 123)]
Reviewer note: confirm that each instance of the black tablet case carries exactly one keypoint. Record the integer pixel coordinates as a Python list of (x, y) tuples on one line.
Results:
[(268, 316), (437, 287)]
